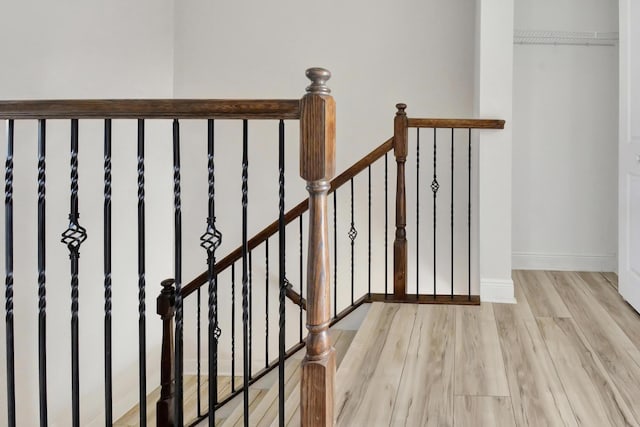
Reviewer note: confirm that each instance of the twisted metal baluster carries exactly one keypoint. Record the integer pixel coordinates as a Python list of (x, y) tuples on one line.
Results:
[(434, 188), (281, 274), (42, 289), (142, 381), (245, 273), (353, 233), (73, 237), (177, 207), (210, 241), (250, 314), (108, 369), (8, 265)]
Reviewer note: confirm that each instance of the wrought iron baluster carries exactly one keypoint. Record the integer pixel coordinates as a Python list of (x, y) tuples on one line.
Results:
[(250, 314), (281, 273), (353, 233), (142, 339), (8, 265), (198, 351), (369, 232), (469, 224), (73, 237), (210, 241), (108, 359), (452, 175), (386, 225), (335, 253), (245, 273), (42, 288), (177, 208), (417, 212), (266, 303), (301, 273), (434, 188)]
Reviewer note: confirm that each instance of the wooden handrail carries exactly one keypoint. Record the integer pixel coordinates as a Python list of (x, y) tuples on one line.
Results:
[(291, 215), (152, 109), (456, 123)]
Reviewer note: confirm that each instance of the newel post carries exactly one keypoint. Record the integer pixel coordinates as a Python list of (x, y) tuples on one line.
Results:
[(317, 167), (166, 310), (400, 142)]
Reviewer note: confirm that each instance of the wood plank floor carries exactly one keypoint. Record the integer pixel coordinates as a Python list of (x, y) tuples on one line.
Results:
[(567, 354)]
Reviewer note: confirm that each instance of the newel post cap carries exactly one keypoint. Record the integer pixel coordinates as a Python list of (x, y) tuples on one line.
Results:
[(318, 77)]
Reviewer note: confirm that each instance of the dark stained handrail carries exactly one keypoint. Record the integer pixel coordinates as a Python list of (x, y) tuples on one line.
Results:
[(152, 109), (456, 123)]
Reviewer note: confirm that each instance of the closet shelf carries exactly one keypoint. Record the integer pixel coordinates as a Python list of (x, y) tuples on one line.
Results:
[(572, 38)]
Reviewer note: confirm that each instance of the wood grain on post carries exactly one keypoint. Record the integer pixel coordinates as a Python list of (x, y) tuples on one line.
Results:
[(400, 141), (317, 167), (166, 310)]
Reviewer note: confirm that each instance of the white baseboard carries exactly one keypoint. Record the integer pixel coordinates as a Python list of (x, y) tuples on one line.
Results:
[(563, 262), (497, 290)]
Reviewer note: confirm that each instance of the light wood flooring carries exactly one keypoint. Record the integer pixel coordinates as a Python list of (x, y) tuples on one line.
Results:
[(567, 354), (263, 395)]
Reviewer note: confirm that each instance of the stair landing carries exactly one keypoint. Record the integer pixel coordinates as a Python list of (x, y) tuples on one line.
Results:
[(398, 368)]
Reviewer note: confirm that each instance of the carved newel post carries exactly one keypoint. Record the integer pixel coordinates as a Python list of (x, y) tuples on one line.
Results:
[(166, 309), (400, 137), (317, 167)]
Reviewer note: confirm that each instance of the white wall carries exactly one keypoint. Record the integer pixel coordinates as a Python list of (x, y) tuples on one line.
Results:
[(81, 49), (565, 140), (493, 99)]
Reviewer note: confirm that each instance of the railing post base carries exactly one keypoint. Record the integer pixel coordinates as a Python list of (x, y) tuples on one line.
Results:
[(165, 407), (317, 407)]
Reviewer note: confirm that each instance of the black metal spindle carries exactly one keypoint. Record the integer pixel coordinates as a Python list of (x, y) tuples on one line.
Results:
[(198, 356), (8, 265), (42, 289), (469, 224), (281, 274), (177, 208), (417, 212), (369, 232), (211, 241), (301, 271), (108, 359), (233, 327), (353, 233), (335, 253), (73, 237), (386, 225), (250, 315), (266, 303), (434, 188), (142, 339), (245, 272), (452, 175)]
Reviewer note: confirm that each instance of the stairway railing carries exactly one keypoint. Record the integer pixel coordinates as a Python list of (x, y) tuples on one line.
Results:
[(316, 113)]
